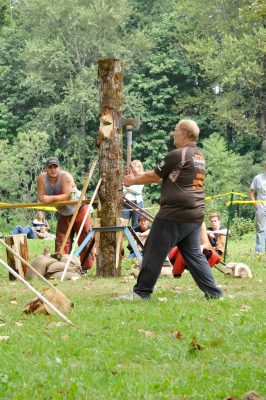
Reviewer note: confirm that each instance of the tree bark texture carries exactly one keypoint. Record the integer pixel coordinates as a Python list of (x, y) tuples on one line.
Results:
[(110, 161)]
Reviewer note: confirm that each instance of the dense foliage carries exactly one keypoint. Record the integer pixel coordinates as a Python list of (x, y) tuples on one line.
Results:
[(181, 60)]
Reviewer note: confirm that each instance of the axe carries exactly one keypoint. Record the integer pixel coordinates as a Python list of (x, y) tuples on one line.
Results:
[(129, 123)]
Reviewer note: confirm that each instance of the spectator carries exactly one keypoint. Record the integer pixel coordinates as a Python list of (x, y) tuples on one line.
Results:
[(54, 185), (28, 230), (178, 262), (258, 186), (40, 222), (134, 194), (142, 230), (39, 228), (217, 233), (43, 233)]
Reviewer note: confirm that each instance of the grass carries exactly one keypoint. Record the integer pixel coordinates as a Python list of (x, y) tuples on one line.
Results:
[(134, 351)]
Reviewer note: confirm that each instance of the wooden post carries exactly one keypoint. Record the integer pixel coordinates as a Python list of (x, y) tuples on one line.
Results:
[(97, 224), (19, 243), (119, 242), (110, 161)]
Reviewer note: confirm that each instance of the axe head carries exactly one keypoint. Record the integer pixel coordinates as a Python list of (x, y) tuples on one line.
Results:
[(129, 123), (57, 256)]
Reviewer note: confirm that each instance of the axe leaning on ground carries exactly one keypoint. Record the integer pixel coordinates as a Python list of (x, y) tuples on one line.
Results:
[(80, 230), (58, 255)]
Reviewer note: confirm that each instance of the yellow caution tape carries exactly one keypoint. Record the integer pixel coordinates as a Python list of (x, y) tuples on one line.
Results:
[(45, 208), (42, 206), (228, 203), (225, 194)]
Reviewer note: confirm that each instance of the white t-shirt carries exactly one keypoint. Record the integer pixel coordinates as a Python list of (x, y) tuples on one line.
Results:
[(259, 186), (135, 193)]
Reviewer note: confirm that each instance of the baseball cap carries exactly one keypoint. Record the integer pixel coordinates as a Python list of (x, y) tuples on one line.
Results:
[(51, 161)]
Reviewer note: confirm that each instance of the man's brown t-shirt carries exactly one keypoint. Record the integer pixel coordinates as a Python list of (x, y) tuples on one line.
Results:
[(182, 194)]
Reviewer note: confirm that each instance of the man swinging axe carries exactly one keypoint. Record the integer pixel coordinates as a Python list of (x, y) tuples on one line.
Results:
[(55, 185), (181, 175)]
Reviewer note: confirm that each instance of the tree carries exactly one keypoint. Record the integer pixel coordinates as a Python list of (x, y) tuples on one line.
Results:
[(4, 13), (229, 54), (110, 159), (20, 165), (226, 171), (60, 58)]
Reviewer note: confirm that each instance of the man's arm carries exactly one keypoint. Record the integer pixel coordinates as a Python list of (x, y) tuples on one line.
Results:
[(141, 179), (218, 231), (67, 184), (252, 196), (40, 187), (204, 240)]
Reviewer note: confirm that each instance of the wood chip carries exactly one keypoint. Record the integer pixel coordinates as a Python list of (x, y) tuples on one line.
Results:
[(4, 338)]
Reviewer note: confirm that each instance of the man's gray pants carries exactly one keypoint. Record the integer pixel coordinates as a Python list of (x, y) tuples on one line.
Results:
[(164, 235), (260, 229)]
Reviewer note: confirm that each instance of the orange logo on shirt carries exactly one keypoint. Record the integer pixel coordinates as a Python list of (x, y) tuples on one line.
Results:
[(198, 183)]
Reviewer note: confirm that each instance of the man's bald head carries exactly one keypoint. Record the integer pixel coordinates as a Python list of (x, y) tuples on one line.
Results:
[(190, 128)]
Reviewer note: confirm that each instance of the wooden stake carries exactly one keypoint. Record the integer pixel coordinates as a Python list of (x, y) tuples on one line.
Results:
[(119, 241), (97, 224)]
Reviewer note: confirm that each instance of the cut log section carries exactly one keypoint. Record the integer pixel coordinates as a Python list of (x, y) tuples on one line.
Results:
[(19, 243)]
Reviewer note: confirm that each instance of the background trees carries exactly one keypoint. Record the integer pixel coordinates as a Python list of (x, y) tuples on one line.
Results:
[(181, 60)]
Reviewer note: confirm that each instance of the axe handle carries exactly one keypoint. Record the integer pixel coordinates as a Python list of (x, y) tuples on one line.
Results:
[(138, 209), (219, 269), (129, 149), (85, 186)]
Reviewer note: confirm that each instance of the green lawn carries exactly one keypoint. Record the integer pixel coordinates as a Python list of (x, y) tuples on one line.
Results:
[(133, 351)]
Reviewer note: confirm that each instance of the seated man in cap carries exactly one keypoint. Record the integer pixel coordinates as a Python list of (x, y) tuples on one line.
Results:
[(55, 185)]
